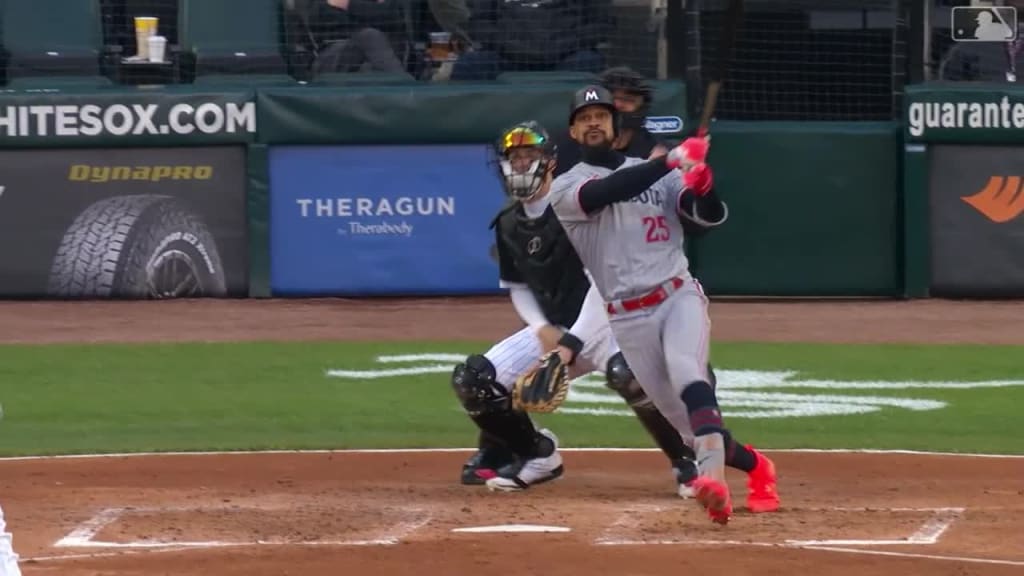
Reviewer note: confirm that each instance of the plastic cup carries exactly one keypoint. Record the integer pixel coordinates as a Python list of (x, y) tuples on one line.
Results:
[(440, 45), (145, 26), (157, 48)]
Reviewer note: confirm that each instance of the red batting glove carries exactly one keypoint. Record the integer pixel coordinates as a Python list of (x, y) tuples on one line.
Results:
[(692, 151), (698, 179)]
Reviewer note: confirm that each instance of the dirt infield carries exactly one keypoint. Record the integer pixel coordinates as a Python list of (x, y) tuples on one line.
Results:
[(394, 513)]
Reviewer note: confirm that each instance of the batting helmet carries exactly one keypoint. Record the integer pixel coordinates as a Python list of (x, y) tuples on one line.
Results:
[(593, 95), (628, 80)]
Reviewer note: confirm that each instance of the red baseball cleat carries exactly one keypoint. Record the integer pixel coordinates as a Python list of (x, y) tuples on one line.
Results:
[(763, 493), (714, 497)]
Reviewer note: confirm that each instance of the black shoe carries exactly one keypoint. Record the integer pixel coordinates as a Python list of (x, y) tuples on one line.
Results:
[(686, 472), (485, 464)]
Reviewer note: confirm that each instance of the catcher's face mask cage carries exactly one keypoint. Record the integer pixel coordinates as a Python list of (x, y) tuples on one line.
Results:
[(525, 154), (624, 79)]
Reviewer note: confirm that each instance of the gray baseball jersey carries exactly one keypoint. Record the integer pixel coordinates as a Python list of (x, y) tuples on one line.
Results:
[(629, 247)]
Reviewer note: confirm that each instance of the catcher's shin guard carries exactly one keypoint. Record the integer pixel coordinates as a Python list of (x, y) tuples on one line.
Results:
[(489, 406), (619, 378)]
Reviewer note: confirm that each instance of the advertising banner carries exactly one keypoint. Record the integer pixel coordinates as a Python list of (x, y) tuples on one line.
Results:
[(123, 223), (382, 220), (964, 112), (126, 117), (977, 221)]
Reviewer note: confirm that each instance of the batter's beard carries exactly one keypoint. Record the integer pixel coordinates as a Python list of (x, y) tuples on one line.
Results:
[(599, 155)]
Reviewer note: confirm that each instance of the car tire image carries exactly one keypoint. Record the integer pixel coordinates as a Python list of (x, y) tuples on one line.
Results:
[(137, 247)]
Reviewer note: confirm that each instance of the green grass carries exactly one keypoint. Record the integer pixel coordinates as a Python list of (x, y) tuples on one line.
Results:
[(107, 398)]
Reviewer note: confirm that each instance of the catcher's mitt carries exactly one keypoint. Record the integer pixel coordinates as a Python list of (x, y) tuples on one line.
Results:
[(544, 388)]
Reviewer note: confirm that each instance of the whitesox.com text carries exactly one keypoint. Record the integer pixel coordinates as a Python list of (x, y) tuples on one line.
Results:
[(127, 119)]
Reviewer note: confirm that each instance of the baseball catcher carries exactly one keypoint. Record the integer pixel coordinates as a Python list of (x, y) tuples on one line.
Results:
[(566, 336)]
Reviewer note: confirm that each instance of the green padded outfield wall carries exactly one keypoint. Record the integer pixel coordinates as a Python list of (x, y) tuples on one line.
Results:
[(814, 210), (423, 114), (814, 207)]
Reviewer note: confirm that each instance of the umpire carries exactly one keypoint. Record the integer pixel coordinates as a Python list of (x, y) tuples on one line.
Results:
[(632, 96)]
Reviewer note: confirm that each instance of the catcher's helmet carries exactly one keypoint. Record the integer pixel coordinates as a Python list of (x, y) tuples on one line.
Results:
[(593, 95), (524, 183), (628, 80)]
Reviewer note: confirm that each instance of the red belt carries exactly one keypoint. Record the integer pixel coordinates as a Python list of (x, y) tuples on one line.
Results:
[(652, 298)]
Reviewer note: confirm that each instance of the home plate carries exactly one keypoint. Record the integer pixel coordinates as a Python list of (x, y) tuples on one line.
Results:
[(512, 528)]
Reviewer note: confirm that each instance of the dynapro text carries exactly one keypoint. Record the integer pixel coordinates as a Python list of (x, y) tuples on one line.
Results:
[(402, 206), (124, 119), (86, 173)]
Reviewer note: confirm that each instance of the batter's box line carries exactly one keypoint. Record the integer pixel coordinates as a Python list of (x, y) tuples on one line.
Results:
[(83, 535), (928, 534)]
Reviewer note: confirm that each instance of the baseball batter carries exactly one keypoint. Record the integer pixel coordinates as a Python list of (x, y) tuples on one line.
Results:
[(623, 216), (553, 295)]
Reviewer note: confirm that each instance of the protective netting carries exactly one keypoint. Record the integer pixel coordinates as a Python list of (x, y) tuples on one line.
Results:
[(795, 59), (805, 59), (424, 40)]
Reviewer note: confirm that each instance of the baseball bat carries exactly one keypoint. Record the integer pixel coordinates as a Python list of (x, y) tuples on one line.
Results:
[(726, 46)]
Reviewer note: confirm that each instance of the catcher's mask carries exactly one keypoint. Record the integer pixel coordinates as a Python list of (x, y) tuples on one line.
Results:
[(628, 80), (525, 155)]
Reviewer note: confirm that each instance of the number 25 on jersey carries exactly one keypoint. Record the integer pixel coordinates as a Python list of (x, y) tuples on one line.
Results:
[(657, 229)]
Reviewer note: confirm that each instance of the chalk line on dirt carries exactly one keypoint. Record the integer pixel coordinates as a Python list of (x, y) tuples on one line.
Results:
[(618, 532), (929, 532), (969, 559), (83, 535), (471, 449)]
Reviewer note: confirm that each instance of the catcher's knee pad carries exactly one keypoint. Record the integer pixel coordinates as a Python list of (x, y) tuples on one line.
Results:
[(475, 386), (702, 406), (619, 377)]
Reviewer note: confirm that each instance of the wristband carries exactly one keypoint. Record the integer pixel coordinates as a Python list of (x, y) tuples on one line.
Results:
[(574, 344)]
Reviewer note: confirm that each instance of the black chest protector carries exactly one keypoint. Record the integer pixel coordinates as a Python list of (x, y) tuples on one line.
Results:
[(547, 261)]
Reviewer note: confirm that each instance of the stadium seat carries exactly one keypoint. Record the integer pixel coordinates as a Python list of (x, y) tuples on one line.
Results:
[(230, 37), (546, 76), (59, 82), (55, 37)]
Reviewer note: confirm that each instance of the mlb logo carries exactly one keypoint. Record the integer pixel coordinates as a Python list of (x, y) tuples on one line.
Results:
[(984, 23)]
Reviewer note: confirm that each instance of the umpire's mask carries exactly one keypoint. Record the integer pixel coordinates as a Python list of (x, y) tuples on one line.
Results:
[(525, 157)]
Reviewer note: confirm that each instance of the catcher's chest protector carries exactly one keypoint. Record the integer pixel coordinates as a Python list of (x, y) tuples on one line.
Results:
[(544, 256)]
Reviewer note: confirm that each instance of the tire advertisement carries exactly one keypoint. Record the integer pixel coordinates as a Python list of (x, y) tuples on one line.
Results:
[(383, 220), (123, 223), (977, 221)]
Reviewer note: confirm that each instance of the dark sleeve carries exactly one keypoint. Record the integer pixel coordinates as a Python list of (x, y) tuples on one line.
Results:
[(621, 185), (507, 269), (370, 12)]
